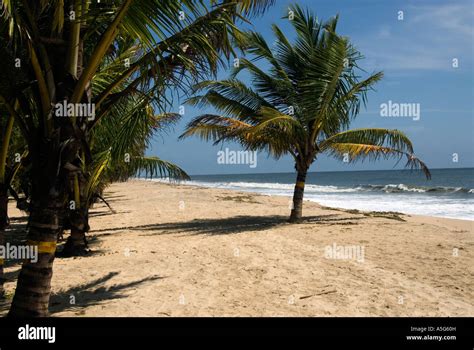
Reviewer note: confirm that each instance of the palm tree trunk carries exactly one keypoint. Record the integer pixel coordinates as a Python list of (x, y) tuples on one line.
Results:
[(4, 190), (3, 225), (297, 209), (34, 282), (52, 159), (76, 243)]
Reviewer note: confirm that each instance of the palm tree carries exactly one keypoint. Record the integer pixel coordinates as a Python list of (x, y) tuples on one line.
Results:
[(303, 104), (50, 52), (4, 189), (117, 150), (11, 145)]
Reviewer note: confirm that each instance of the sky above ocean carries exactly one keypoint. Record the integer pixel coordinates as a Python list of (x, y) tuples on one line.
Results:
[(417, 55)]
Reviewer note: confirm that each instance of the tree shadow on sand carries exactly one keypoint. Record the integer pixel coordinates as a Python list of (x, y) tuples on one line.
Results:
[(93, 293), (232, 225)]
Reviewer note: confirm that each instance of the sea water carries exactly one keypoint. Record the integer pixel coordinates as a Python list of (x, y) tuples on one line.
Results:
[(450, 192)]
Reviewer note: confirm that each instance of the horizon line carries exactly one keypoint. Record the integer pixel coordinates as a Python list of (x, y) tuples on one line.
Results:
[(328, 171)]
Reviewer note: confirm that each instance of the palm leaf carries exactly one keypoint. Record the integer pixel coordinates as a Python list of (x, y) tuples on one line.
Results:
[(372, 144), (156, 167)]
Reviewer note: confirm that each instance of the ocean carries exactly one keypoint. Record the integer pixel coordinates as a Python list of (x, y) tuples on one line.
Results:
[(450, 192)]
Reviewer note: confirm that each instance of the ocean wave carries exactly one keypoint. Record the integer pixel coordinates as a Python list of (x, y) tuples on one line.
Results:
[(440, 201), (436, 206), (391, 188), (285, 187), (272, 186), (430, 201)]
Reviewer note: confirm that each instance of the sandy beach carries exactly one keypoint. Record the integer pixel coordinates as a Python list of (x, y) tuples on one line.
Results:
[(176, 250)]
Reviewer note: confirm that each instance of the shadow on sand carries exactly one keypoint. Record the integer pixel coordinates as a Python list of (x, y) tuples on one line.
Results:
[(232, 225), (93, 293)]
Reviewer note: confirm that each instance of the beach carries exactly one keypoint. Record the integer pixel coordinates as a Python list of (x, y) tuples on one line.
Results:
[(180, 250)]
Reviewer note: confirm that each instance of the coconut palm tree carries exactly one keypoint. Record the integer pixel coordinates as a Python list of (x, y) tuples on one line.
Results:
[(118, 148), (11, 148), (50, 52), (4, 182), (301, 105)]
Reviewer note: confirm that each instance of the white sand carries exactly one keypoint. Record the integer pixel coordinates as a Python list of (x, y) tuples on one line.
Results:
[(187, 251)]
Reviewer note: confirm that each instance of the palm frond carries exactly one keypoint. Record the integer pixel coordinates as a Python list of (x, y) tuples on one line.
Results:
[(216, 128), (372, 144), (97, 168), (156, 167), (371, 136)]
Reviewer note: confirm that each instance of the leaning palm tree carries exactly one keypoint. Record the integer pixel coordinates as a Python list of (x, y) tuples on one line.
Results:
[(301, 106), (49, 53)]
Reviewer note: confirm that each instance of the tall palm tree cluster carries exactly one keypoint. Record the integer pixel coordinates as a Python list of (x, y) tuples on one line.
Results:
[(85, 85)]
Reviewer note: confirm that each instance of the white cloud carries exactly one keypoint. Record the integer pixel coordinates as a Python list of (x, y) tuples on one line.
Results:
[(384, 32), (427, 39), (453, 18)]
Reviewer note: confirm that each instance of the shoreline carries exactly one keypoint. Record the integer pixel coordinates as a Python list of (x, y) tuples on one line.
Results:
[(180, 250), (362, 211)]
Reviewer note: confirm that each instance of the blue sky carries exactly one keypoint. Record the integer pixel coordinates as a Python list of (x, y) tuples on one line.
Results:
[(416, 54)]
